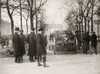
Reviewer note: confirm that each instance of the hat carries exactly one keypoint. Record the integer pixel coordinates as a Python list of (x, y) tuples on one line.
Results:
[(21, 30), (41, 29), (32, 28), (17, 29)]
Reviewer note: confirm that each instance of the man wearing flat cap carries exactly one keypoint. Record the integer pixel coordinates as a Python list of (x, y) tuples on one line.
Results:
[(41, 47), (31, 40), (16, 44)]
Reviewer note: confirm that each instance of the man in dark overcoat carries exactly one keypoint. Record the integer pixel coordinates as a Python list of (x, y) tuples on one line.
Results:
[(16, 44), (22, 46), (31, 40), (94, 42), (41, 47), (86, 40)]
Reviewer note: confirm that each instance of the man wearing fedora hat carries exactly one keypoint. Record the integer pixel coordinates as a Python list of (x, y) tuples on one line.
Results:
[(31, 40), (16, 44), (41, 47)]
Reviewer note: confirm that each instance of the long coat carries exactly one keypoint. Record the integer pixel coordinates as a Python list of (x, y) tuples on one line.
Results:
[(16, 44), (41, 44), (31, 39), (93, 40), (22, 45), (86, 40)]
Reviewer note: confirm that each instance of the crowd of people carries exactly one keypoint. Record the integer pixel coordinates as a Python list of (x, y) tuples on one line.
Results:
[(37, 46), (87, 42)]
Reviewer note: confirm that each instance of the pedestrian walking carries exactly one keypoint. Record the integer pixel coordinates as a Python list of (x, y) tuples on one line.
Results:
[(93, 42), (31, 40), (41, 47), (16, 44), (22, 45)]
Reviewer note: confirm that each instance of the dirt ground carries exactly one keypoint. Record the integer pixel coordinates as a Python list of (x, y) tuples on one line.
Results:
[(58, 64)]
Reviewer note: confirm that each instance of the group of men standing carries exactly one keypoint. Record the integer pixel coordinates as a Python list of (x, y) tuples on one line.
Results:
[(87, 41), (37, 46)]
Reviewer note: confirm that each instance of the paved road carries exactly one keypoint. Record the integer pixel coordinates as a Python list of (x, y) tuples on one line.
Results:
[(59, 64)]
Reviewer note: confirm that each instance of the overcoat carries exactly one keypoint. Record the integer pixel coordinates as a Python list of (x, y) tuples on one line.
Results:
[(93, 40), (41, 44), (16, 44), (86, 40), (31, 40), (22, 45)]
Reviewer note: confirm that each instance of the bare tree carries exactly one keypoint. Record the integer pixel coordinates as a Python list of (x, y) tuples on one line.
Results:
[(11, 7), (34, 7), (86, 12)]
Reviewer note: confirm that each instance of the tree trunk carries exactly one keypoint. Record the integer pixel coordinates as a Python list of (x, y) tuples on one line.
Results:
[(79, 26), (85, 24), (88, 27), (11, 18), (82, 24), (21, 15), (0, 18), (12, 26), (92, 16), (31, 17), (98, 29), (36, 22), (27, 27)]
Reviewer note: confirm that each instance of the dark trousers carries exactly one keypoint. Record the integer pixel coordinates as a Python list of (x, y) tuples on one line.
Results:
[(17, 59), (94, 48)]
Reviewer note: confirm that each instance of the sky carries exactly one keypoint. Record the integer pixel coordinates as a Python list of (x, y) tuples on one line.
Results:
[(54, 11)]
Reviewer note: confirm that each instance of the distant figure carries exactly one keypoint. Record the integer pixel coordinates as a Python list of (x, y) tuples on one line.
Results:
[(2, 41), (7, 42), (78, 36), (41, 47), (22, 46), (86, 40), (31, 40), (16, 44), (72, 43), (94, 42)]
